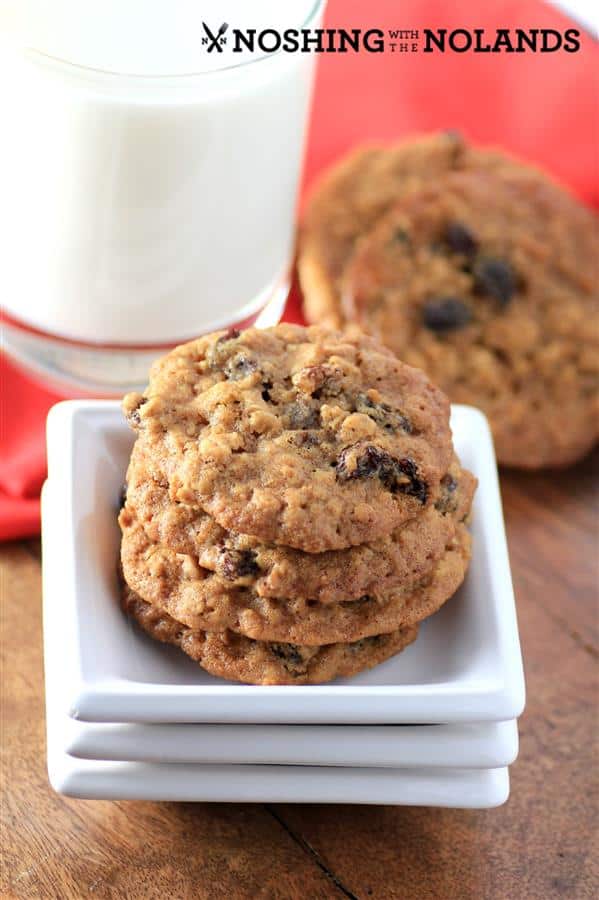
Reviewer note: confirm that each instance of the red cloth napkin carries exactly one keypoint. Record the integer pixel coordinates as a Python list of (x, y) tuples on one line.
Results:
[(540, 106)]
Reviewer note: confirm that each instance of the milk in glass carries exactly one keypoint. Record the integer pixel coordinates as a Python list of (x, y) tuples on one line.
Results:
[(148, 175)]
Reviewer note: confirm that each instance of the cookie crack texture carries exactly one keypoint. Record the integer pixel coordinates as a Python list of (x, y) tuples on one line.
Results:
[(234, 564), (369, 461), (391, 419)]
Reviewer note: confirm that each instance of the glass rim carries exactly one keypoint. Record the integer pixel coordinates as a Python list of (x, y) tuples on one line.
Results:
[(81, 68)]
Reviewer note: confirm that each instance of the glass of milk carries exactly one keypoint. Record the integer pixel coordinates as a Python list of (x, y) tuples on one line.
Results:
[(148, 172)]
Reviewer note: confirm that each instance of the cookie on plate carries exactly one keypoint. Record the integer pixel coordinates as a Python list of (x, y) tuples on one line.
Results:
[(237, 658), (297, 436), (196, 597), (488, 281), (230, 560)]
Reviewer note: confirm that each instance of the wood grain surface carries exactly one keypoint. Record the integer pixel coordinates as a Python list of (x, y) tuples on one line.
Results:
[(541, 844)]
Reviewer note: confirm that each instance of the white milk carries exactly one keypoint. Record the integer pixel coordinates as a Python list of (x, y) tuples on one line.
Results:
[(148, 193)]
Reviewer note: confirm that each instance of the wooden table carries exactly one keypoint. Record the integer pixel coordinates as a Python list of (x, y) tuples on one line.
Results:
[(540, 845)]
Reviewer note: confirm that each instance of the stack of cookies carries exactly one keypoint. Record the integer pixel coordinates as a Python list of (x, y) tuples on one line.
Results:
[(294, 505), (474, 267)]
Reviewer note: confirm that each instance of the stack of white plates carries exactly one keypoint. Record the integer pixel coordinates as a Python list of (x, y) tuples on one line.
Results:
[(131, 718)]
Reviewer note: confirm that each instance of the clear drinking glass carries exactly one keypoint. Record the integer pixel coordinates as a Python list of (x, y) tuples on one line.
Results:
[(142, 205)]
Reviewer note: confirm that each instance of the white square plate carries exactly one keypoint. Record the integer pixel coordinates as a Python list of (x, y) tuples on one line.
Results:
[(465, 666), (96, 779), (465, 788), (485, 745)]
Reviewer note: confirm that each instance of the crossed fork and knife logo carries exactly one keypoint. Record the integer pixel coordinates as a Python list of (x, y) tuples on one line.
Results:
[(215, 41)]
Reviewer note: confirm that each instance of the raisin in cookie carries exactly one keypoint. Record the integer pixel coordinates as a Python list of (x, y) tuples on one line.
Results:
[(353, 196), (196, 597), (237, 658), (231, 560), (298, 436), (488, 281)]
